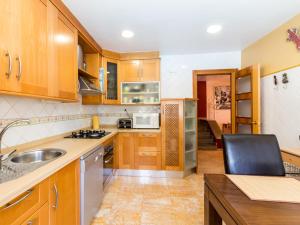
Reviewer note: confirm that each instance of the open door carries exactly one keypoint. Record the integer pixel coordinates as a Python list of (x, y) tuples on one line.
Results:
[(245, 112)]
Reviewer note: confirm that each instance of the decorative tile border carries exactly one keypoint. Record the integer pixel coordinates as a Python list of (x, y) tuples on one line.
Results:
[(47, 119)]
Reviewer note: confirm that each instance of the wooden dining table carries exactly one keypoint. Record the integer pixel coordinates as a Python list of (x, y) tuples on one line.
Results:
[(223, 200)]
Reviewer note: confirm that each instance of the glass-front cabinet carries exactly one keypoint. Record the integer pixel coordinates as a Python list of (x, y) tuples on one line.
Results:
[(190, 134), (111, 81), (140, 92)]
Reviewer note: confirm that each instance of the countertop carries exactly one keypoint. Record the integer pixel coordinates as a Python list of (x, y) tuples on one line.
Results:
[(74, 148), (293, 151)]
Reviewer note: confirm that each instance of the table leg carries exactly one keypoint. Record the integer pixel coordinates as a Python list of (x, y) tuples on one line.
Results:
[(211, 216)]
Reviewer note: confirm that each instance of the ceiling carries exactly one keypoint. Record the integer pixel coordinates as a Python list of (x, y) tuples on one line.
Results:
[(179, 26)]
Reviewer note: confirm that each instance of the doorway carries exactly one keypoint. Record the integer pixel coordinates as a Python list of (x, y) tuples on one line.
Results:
[(244, 107), (212, 88)]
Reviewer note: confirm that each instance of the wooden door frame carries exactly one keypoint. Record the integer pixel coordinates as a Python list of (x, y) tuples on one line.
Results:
[(214, 72)]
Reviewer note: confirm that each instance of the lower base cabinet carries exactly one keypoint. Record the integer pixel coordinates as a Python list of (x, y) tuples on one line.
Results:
[(140, 151), (54, 201), (41, 217), (64, 195)]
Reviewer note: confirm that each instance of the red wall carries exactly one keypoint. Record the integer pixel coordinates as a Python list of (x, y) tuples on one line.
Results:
[(202, 99)]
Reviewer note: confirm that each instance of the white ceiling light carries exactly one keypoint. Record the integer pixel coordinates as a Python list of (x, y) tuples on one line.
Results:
[(213, 29), (127, 34)]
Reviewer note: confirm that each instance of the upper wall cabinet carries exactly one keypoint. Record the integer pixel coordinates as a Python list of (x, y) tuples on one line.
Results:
[(38, 55), (111, 81), (140, 70), (23, 27), (62, 54)]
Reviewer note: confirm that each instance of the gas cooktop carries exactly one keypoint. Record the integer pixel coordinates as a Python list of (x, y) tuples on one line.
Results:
[(88, 134)]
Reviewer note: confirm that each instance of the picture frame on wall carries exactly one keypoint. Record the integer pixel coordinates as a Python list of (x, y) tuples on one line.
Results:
[(222, 97)]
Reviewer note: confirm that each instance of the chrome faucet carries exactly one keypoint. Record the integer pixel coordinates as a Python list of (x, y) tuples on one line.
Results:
[(6, 128)]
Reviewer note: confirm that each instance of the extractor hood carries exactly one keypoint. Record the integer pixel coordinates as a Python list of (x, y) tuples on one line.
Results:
[(87, 87)]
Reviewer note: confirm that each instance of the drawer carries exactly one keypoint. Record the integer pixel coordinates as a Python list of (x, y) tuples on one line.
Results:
[(17, 210), (146, 160), (41, 217), (148, 142)]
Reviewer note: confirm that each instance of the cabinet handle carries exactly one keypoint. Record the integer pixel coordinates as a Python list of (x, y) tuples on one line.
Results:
[(20, 67), (9, 205), (55, 206), (9, 64), (29, 222), (108, 160)]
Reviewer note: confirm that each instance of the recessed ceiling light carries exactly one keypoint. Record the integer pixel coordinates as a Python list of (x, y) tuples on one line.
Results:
[(127, 34), (213, 29)]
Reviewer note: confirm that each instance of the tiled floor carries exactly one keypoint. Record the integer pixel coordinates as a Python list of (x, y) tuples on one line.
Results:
[(153, 201)]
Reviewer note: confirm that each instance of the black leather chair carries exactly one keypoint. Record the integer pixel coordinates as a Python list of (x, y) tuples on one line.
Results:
[(248, 154)]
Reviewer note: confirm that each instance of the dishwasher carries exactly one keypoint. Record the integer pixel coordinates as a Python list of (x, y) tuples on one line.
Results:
[(91, 184)]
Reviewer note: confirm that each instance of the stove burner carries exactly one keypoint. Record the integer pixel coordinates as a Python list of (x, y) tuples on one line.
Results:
[(88, 134)]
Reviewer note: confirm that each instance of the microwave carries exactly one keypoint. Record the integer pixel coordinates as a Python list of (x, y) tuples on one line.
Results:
[(145, 120)]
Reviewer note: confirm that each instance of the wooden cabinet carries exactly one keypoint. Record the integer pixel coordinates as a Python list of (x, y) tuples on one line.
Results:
[(126, 150), (172, 134), (30, 59), (147, 151), (111, 81), (41, 217), (139, 150), (62, 54), (7, 44), (150, 70), (179, 135), (140, 70), (41, 58), (130, 71), (64, 195), (24, 47), (22, 207)]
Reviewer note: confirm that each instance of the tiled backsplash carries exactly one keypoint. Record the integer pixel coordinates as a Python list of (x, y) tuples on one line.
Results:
[(50, 118)]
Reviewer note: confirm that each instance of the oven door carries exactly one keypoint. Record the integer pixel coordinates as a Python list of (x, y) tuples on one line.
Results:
[(108, 166)]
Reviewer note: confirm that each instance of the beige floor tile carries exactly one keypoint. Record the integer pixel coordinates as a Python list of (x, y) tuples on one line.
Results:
[(152, 201)]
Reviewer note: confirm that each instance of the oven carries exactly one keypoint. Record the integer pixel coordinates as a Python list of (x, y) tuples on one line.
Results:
[(108, 163)]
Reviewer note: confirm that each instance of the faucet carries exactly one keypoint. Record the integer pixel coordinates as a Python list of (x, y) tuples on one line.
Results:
[(6, 128)]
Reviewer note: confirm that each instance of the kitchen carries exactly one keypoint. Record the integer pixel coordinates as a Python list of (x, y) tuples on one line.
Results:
[(97, 136)]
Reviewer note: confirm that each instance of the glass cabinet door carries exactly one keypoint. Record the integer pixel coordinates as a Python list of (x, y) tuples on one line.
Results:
[(111, 81), (140, 92)]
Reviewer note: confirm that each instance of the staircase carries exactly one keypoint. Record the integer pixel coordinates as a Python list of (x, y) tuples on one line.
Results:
[(206, 139)]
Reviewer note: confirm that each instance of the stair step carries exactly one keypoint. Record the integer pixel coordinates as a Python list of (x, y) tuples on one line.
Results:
[(207, 147), (204, 135), (206, 141)]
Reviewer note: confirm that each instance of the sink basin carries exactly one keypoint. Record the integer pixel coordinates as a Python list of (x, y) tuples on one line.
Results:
[(38, 155)]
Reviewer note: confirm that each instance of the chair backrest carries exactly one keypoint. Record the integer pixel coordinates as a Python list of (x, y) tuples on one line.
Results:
[(252, 154)]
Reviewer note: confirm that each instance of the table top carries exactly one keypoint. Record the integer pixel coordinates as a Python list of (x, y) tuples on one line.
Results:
[(246, 211)]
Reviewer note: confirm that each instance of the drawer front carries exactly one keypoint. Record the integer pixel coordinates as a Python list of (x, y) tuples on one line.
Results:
[(146, 160), (17, 210), (148, 142), (41, 217)]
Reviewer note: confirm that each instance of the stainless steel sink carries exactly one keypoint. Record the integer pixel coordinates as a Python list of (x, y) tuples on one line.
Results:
[(38, 155)]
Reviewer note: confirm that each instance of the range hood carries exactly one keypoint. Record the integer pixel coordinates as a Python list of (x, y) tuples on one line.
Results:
[(86, 87)]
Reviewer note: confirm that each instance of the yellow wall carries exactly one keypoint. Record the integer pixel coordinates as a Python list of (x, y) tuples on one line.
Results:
[(273, 52)]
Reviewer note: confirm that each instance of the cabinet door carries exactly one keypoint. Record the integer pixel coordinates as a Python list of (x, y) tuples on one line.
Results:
[(147, 151), (63, 72), (8, 22), (41, 217), (111, 81), (126, 150), (130, 71), (17, 210), (150, 70), (172, 134), (31, 56), (64, 195)]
